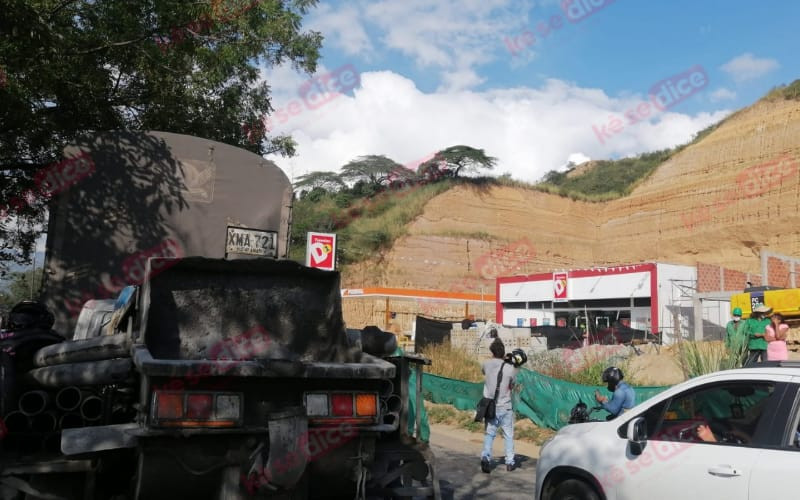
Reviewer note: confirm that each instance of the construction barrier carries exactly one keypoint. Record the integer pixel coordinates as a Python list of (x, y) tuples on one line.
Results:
[(544, 400)]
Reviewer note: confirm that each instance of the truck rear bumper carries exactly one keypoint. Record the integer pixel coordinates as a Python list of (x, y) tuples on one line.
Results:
[(370, 367)]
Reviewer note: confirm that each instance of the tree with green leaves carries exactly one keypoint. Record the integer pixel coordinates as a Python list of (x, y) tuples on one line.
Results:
[(329, 181), (456, 159), (70, 68), (373, 169)]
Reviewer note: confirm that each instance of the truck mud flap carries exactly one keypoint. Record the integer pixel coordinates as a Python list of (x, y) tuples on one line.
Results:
[(76, 351), (405, 468), (89, 373), (288, 452)]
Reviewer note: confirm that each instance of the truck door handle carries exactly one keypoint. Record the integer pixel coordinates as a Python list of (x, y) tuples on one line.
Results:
[(724, 471)]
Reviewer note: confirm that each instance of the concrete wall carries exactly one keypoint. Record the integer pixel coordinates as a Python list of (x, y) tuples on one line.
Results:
[(364, 311), (470, 341)]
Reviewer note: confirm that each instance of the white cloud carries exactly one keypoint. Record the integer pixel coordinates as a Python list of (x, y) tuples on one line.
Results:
[(748, 67), (530, 130), (722, 94), (453, 36), (342, 28)]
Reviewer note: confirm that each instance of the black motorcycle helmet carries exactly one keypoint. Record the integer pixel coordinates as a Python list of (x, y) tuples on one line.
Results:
[(517, 357), (611, 376), (30, 314), (579, 413)]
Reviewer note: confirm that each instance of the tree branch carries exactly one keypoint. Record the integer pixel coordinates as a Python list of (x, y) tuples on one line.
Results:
[(55, 11)]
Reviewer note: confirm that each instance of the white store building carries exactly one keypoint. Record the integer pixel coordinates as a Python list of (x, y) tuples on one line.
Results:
[(653, 297)]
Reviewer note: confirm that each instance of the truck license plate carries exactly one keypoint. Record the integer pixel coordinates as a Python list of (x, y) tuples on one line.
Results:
[(252, 242)]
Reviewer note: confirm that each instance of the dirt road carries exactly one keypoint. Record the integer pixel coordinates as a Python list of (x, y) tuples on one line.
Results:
[(458, 466)]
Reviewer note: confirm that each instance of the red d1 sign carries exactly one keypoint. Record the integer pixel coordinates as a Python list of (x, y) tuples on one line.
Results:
[(560, 287), (321, 251)]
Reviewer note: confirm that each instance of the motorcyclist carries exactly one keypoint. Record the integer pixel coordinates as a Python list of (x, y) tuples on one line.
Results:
[(623, 398)]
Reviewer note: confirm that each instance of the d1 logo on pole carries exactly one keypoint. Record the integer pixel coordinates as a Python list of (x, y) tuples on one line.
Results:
[(560, 287), (321, 251)]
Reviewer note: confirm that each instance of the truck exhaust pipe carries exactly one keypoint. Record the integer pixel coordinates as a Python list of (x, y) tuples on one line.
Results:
[(92, 409), (387, 388), (391, 418), (33, 402), (68, 398), (16, 421), (393, 404), (70, 421), (44, 422)]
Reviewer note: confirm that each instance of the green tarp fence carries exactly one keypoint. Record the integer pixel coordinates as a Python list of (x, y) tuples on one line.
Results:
[(544, 400), (425, 430)]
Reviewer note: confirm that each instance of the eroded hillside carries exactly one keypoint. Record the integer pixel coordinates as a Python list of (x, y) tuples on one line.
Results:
[(718, 201)]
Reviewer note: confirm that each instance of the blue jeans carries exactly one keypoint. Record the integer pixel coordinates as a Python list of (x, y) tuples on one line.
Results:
[(505, 420)]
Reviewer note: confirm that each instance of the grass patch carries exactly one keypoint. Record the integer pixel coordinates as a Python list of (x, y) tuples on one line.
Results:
[(587, 371), (699, 358), (452, 363)]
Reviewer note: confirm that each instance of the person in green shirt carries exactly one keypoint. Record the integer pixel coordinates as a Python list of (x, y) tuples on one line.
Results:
[(734, 339), (754, 329)]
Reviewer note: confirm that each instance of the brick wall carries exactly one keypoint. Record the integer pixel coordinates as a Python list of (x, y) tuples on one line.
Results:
[(734, 280), (714, 278), (709, 277), (778, 272)]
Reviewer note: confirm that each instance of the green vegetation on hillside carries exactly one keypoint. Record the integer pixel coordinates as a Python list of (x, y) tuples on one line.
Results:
[(787, 92), (372, 199), (607, 180), (364, 225)]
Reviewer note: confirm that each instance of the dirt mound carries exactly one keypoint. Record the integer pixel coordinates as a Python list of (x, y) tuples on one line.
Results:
[(656, 366)]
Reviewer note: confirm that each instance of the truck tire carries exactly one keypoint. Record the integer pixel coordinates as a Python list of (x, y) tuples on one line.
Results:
[(574, 489)]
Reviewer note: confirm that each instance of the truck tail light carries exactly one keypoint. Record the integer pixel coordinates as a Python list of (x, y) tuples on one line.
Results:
[(196, 409), (366, 405), (199, 406), (342, 405), (355, 407), (169, 406)]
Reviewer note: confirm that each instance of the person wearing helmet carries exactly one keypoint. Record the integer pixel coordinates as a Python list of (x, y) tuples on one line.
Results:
[(622, 398), (754, 331), (734, 330), (500, 368)]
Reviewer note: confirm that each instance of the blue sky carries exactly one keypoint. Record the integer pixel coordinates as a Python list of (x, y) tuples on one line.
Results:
[(439, 73)]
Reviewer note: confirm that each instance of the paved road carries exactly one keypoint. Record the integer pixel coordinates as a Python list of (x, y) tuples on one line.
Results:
[(458, 467)]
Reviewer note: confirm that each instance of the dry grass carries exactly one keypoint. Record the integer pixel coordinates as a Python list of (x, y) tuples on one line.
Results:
[(452, 363), (588, 371)]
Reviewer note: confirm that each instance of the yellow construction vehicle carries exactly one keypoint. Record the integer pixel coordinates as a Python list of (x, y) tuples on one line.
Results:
[(784, 301)]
